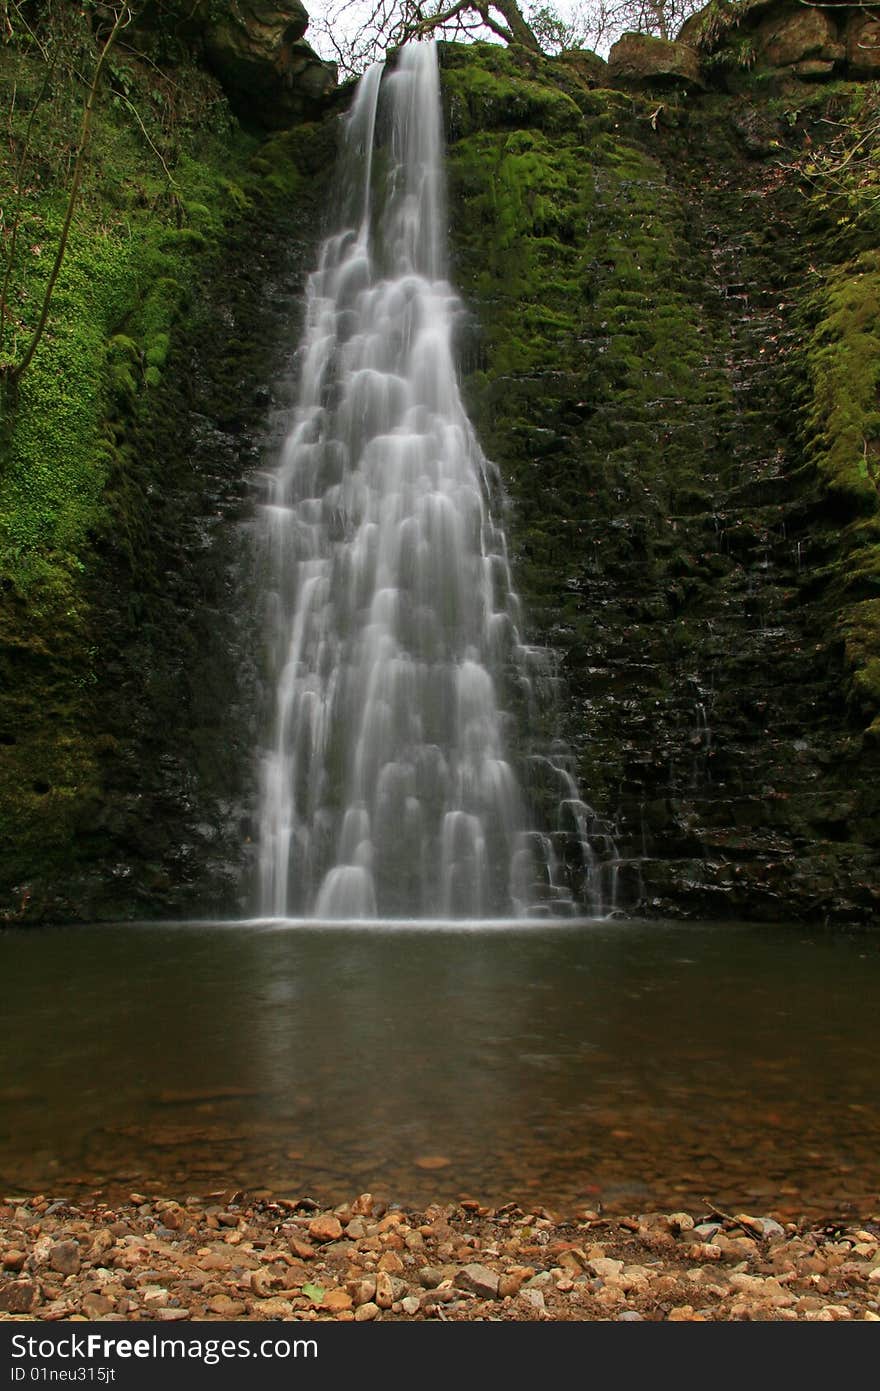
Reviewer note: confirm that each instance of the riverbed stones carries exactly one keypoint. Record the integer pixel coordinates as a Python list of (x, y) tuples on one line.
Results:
[(64, 1257), (17, 1296), (480, 1265), (479, 1279), (325, 1228)]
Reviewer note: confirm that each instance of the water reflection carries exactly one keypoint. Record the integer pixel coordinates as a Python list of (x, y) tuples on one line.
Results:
[(632, 1064)]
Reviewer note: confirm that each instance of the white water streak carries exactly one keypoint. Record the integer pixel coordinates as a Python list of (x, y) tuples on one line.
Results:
[(388, 788)]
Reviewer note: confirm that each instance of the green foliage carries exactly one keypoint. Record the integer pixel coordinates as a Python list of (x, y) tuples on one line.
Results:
[(570, 245), (133, 250), (840, 362), (498, 88), (167, 173), (843, 360)]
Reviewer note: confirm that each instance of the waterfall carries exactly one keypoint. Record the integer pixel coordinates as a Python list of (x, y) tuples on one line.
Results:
[(389, 787)]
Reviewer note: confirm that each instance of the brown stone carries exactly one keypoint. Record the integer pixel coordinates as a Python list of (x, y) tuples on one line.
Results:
[(97, 1304), (225, 1306), (336, 1300), (325, 1228), (794, 36), (13, 1259), (392, 1241), (263, 1283), (65, 1258), (512, 1281), (104, 1241), (362, 1206), (363, 1291), (215, 1260), (643, 61), (18, 1296), (862, 39), (390, 1261), (479, 1279)]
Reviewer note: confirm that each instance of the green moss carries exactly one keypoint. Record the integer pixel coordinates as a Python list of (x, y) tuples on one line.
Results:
[(843, 361), (490, 93), (157, 353), (158, 198)]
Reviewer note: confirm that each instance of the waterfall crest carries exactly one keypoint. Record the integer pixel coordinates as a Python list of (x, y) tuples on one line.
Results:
[(389, 788)]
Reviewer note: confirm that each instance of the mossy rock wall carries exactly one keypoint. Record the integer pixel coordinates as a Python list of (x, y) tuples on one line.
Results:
[(128, 686), (670, 354), (672, 360)]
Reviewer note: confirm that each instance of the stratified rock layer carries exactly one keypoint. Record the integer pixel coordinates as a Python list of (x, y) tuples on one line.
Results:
[(638, 276)]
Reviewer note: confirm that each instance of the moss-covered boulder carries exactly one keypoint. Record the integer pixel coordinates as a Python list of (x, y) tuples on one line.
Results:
[(862, 39), (641, 60), (786, 37)]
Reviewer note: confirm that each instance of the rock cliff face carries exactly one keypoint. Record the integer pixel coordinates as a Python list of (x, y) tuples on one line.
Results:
[(659, 372), (673, 356)]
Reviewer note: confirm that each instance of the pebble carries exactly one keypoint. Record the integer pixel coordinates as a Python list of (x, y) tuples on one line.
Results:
[(479, 1279), (535, 1298), (18, 1296), (64, 1257), (254, 1258), (325, 1228), (227, 1307)]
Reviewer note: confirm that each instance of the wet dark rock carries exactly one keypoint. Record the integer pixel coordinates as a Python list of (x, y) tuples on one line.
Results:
[(672, 547), (271, 76)]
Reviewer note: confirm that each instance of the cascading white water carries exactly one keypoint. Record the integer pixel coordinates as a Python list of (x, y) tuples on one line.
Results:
[(388, 789)]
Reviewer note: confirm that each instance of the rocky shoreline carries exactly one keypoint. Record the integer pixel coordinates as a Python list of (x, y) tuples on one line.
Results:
[(254, 1257)]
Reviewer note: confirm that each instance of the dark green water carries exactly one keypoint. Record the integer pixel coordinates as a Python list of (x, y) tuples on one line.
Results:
[(636, 1065)]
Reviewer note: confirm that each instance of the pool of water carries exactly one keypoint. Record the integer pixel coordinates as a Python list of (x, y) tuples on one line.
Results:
[(632, 1065)]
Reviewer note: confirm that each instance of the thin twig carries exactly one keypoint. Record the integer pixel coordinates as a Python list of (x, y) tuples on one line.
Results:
[(156, 151), (735, 1221), (19, 175), (123, 18)]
